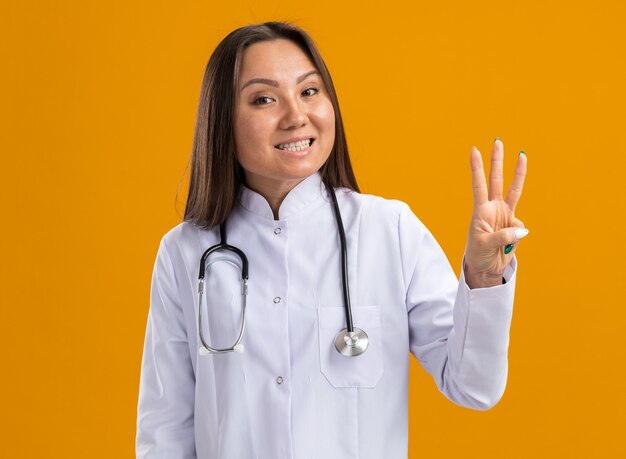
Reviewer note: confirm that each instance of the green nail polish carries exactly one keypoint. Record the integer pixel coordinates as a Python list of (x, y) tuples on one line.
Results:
[(508, 248), (497, 138), (521, 152)]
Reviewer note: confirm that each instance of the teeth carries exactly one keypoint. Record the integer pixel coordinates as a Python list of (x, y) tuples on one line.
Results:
[(295, 146)]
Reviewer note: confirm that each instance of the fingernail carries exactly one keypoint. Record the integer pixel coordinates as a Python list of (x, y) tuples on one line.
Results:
[(521, 152), (508, 248), (521, 232), (497, 138)]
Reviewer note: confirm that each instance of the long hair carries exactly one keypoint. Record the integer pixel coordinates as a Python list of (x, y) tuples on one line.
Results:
[(216, 175)]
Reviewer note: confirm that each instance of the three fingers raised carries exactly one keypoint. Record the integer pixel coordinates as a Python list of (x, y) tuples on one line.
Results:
[(496, 180)]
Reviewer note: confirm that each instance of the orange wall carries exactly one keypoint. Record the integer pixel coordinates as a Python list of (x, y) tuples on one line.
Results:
[(97, 116)]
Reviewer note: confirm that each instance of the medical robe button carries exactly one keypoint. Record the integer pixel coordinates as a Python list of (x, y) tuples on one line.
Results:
[(277, 230), (277, 300), (279, 380)]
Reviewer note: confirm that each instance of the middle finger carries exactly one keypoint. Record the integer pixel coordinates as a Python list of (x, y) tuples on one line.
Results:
[(496, 180)]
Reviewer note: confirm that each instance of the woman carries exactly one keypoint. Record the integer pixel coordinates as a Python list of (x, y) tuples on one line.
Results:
[(270, 160)]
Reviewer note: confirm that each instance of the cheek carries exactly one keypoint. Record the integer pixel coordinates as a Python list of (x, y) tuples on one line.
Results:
[(249, 132), (327, 121)]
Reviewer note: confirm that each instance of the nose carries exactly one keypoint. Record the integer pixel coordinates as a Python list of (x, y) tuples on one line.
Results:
[(295, 116)]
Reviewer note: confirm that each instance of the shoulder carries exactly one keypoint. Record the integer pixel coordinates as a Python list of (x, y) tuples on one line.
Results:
[(378, 208), (180, 238), (179, 233)]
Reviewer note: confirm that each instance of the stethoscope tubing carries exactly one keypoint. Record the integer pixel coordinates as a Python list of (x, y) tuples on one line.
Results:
[(349, 342), (244, 277), (344, 259)]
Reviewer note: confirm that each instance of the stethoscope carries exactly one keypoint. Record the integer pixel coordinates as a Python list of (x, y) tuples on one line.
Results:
[(350, 341)]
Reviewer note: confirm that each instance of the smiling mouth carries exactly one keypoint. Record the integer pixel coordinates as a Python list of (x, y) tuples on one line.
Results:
[(295, 146)]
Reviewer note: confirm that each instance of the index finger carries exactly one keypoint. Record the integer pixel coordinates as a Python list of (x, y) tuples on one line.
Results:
[(479, 184)]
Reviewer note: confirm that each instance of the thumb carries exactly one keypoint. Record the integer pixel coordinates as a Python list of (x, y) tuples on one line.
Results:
[(508, 236)]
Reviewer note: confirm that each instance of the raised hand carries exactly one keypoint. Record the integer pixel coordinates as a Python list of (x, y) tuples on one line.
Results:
[(494, 230)]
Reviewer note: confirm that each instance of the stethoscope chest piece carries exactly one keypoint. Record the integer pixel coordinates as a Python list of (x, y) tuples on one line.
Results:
[(351, 343)]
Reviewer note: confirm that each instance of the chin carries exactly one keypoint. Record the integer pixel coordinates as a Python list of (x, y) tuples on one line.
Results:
[(301, 173)]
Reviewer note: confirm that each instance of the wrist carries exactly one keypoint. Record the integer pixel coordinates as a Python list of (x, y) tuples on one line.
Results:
[(482, 280)]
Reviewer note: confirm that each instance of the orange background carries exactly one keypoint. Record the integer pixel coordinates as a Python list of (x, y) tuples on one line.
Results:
[(97, 116)]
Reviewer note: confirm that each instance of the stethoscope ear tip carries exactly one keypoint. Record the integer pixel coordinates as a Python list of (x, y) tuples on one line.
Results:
[(203, 351)]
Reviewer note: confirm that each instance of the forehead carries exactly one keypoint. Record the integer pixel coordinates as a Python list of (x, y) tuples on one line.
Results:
[(273, 59)]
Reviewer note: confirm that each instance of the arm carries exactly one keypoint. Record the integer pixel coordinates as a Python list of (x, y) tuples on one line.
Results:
[(465, 346), (460, 336), (165, 423)]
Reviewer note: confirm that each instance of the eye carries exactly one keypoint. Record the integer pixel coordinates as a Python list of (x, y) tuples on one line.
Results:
[(262, 100), (310, 91)]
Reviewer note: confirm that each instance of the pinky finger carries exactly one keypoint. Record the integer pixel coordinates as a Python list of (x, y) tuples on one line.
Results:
[(517, 222)]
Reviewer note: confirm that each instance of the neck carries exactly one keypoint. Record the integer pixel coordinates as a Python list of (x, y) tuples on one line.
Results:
[(272, 190)]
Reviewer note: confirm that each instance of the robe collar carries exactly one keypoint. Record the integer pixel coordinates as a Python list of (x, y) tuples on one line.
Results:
[(302, 196)]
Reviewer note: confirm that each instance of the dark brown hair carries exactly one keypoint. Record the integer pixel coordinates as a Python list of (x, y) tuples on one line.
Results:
[(216, 175)]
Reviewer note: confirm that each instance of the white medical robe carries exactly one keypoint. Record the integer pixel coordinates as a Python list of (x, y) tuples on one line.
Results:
[(290, 394)]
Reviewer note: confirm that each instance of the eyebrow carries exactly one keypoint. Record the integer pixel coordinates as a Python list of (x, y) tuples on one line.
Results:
[(275, 83)]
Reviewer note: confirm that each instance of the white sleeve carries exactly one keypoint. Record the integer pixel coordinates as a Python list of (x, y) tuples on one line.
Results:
[(165, 422), (460, 336)]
